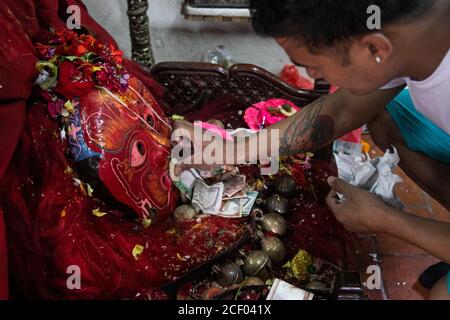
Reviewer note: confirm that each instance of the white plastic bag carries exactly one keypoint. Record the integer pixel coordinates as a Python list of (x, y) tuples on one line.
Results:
[(373, 175)]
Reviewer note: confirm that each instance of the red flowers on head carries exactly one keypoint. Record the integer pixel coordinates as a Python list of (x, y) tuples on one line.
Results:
[(83, 62), (71, 82)]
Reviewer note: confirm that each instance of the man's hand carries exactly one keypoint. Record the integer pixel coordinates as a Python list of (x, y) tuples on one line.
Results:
[(361, 212), (183, 134)]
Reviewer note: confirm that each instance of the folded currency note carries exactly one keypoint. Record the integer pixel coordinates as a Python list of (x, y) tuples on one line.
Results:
[(282, 290), (240, 207), (233, 183), (207, 199), (186, 182)]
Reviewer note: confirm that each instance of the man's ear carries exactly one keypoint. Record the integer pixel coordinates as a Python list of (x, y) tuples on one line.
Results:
[(378, 47)]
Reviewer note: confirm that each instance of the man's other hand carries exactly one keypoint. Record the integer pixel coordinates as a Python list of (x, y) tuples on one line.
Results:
[(360, 211)]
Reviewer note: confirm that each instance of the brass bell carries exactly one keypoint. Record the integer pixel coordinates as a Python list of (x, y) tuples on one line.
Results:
[(275, 248), (278, 204), (257, 213), (258, 265), (260, 202), (252, 281), (274, 223), (286, 186), (228, 273), (184, 212)]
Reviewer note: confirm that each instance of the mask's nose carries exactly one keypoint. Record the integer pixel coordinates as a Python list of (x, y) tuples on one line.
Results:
[(166, 182)]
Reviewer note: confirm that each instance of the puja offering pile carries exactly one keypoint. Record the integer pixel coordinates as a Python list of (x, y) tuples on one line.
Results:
[(94, 194)]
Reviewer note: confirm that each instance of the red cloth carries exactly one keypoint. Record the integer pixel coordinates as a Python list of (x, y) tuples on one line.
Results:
[(291, 75), (22, 23), (18, 25), (4, 261), (48, 221), (355, 136)]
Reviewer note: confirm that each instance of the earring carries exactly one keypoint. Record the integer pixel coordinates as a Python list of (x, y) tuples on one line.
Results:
[(378, 60)]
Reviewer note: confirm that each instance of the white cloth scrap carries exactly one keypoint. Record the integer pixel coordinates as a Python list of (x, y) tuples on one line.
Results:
[(373, 175)]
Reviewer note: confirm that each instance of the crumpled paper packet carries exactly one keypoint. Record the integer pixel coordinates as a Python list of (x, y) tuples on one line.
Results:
[(373, 175)]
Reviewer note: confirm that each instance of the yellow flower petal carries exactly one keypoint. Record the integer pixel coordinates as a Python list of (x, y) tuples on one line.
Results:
[(180, 257), (96, 68), (69, 106), (98, 213), (259, 184), (89, 190), (146, 223), (137, 251), (68, 170), (83, 190), (171, 231), (177, 117), (365, 147), (300, 265)]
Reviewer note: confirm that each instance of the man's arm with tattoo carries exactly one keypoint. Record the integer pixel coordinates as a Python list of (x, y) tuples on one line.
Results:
[(326, 119), (310, 130), (317, 125)]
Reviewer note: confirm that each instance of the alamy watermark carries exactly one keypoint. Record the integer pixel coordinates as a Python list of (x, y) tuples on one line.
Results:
[(374, 20), (74, 20), (209, 148), (73, 281), (373, 281)]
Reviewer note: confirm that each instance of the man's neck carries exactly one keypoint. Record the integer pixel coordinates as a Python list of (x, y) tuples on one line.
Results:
[(429, 43)]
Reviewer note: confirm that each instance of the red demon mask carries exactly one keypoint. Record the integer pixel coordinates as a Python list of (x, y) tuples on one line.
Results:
[(123, 142)]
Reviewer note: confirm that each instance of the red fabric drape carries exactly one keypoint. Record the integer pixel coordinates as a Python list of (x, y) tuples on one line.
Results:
[(48, 219), (21, 24)]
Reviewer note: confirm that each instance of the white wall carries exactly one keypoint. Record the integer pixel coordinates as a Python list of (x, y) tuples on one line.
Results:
[(177, 39)]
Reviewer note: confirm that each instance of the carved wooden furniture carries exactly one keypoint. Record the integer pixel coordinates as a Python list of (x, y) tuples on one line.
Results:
[(192, 87), (140, 32)]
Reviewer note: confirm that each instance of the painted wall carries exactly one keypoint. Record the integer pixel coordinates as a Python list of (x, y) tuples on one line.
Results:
[(177, 39)]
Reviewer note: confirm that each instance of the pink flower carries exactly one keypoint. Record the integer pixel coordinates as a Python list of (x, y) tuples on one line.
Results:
[(267, 113), (55, 107)]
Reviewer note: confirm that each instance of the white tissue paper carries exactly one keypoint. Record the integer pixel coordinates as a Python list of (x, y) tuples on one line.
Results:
[(374, 175)]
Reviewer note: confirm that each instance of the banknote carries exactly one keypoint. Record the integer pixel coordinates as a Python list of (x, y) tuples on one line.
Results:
[(231, 208), (282, 290), (241, 194), (207, 199), (233, 183), (248, 203), (240, 207), (186, 182)]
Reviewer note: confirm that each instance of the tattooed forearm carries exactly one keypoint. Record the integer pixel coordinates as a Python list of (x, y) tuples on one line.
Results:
[(310, 130)]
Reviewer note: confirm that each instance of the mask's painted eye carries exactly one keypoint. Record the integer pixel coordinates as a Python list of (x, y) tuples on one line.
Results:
[(150, 120), (140, 148), (137, 153)]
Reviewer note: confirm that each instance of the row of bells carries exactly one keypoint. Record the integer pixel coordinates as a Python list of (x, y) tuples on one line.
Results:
[(257, 264)]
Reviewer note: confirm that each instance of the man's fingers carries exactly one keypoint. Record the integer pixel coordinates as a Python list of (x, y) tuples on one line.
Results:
[(338, 185), (179, 169), (333, 202)]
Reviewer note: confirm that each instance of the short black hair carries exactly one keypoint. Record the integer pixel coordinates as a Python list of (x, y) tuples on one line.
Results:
[(324, 23)]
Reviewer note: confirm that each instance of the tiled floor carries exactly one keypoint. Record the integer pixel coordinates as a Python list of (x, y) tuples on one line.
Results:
[(400, 262)]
